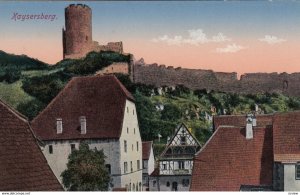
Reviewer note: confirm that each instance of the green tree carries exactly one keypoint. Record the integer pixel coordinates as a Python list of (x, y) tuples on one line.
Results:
[(86, 170)]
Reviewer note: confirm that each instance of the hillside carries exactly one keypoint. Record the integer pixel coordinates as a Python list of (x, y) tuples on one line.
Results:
[(29, 85), (21, 61), (160, 110)]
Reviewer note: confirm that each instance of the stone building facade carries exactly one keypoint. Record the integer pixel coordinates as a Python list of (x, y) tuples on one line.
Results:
[(100, 111), (77, 35)]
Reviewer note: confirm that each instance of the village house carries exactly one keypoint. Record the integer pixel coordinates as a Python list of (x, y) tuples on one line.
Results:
[(286, 140), (148, 163), (23, 166), (100, 111), (248, 153), (175, 164)]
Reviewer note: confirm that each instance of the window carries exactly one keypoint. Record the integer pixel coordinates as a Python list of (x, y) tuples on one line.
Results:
[(50, 149), (131, 169), (133, 111), (127, 130), (137, 146), (132, 147), (164, 166), (134, 130), (182, 140), (86, 38), (127, 110), (181, 164), (168, 184), (298, 170), (125, 167), (154, 183), (125, 146), (185, 182), (144, 165), (138, 164), (72, 147), (108, 167)]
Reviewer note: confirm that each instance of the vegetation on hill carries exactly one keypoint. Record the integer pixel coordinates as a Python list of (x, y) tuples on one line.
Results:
[(34, 83), (160, 110), (11, 66)]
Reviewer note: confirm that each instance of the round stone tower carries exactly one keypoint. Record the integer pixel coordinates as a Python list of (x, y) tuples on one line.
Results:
[(77, 37)]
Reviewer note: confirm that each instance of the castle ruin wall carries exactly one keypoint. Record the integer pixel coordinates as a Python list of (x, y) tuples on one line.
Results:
[(250, 83)]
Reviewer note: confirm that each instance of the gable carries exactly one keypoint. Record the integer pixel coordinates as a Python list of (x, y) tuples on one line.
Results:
[(183, 137), (182, 144)]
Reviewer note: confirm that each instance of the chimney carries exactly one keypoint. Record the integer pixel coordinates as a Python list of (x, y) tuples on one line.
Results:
[(249, 127), (59, 127), (82, 120), (256, 108), (254, 121)]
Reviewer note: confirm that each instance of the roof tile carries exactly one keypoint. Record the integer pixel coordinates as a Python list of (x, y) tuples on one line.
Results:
[(101, 99), (23, 167)]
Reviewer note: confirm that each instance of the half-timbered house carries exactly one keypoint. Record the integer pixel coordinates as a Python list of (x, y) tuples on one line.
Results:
[(175, 164)]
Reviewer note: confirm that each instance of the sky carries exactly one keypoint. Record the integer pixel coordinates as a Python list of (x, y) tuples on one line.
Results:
[(227, 36)]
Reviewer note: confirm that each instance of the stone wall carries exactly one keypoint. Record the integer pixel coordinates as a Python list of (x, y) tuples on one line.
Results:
[(160, 75), (116, 67)]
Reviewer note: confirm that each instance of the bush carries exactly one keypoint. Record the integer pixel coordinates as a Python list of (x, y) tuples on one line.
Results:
[(31, 109), (44, 88), (9, 74)]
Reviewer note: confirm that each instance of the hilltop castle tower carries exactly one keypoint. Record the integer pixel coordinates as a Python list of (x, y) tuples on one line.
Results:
[(77, 35)]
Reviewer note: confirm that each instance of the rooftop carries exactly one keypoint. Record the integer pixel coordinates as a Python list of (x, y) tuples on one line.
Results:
[(101, 99), (23, 166), (228, 160)]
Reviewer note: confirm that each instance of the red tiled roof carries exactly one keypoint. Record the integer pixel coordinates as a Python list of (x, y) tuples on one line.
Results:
[(286, 128), (155, 172), (228, 160), (101, 99), (23, 166), (147, 146), (240, 120)]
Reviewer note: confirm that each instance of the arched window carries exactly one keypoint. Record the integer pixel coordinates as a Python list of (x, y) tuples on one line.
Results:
[(168, 184)]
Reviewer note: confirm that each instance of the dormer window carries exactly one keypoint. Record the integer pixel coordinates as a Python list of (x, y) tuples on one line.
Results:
[(59, 127), (82, 120)]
